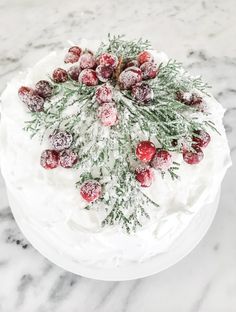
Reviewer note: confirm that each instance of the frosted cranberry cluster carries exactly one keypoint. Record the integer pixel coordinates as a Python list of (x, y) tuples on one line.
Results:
[(160, 159)]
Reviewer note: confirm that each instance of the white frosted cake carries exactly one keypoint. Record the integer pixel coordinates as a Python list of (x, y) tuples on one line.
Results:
[(111, 150)]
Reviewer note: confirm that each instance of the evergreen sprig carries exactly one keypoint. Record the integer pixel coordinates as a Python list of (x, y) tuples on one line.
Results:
[(107, 154), (120, 47)]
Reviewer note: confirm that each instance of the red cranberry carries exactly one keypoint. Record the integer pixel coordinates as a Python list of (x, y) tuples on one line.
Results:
[(107, 59), (91, 190), (24, 93), (61, 140), (108, 114), (44, 88), (59, 75), (202, 138), (49, 159), (68, 158), (87, 60), (188, 98), (104, 94), (144, 56), (132, 63), (88, 77), (193, 156), (145, 151), (145, 176), (162, 160), (34, 102), (142, 92), (70, 57), (75, 50), (104, 72), (74, 72), (129, 77), (149, 70)]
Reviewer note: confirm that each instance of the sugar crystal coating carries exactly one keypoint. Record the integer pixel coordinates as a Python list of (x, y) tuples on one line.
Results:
[(193, 156), (144, 56), (104, 94), (87, 60), (108, 114), (149, 70), (145, 176), (201, 138), (49, 159), (162, 160), (142, 92), (88, 77), (91, 190), (59, 75), (107, 59), (61, 140), (145, 151), (44, 88), (104, 72), (73, 72), (68, 158), (129, 77)]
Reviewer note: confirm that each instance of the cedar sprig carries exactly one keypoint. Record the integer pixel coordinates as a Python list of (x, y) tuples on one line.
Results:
[(107, 155)]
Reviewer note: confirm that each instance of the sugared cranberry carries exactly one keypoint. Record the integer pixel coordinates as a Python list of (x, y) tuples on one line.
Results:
[(149, 70), (107, 59), (104, 94), (189, 98), (145, 151), (193, 156), (142, 92), (49, 159), (68, 158), (59, 75), (132, 63), (44, 88), (75, 50), (28, 96), (162, 160), (88, 77), (104, 72), (87, 60), (61, 140), (145, 176), (201, 138), (24, 93), (35, 103), (74, 72), (71, 57), (108, 114), (129, 77), (91, 190), (144, 56)]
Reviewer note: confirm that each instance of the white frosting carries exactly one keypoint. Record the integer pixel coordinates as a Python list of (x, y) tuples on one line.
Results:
[(50, 202)]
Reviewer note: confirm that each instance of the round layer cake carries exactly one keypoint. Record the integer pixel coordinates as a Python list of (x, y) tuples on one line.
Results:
[(110, 150)]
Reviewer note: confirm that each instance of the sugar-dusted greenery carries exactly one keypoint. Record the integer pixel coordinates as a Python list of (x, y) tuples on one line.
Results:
[(108, 154)]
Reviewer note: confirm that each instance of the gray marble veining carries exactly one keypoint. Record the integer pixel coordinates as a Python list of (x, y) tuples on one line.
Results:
[(201, 34)]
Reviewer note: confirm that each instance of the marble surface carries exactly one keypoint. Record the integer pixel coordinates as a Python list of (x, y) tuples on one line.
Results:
[(201, 34)]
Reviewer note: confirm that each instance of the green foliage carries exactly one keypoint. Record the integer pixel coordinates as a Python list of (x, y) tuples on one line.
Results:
[(120, 47), (108, 154)]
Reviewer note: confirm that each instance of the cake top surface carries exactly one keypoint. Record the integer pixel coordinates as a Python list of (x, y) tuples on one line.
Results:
[(123, 116)]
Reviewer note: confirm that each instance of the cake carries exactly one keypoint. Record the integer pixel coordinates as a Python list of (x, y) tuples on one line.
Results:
[(111, 149)]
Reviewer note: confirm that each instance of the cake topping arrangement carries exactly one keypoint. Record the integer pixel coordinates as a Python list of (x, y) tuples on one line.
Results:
[(120, 118)]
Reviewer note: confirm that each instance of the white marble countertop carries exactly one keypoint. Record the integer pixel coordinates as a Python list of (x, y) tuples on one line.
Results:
[(202, 35)]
